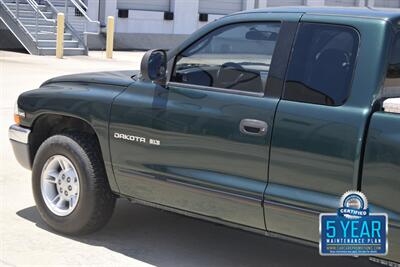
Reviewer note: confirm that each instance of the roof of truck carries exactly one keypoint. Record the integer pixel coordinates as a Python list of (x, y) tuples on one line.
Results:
[(364, 12)]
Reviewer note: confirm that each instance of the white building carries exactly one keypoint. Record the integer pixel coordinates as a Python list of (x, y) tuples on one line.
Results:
[(148, 24)]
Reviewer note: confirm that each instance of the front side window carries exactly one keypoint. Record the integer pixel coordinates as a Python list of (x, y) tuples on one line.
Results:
[(236, 57), (322, 64)]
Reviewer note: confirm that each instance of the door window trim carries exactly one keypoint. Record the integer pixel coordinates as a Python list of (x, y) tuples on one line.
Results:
[(218, 89), (215, 89)]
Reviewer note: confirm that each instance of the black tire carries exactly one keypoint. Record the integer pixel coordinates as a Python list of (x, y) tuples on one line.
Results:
[(96, 201)]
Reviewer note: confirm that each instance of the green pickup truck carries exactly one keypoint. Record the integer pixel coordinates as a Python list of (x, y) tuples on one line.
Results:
[(260, 120)]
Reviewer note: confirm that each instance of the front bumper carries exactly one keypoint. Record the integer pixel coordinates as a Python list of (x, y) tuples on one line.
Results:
[(19, 137)]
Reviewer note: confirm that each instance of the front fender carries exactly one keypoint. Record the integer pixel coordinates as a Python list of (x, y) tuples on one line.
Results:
[(88, 102)]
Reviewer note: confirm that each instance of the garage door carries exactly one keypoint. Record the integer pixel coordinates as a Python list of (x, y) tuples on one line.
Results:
[(220, 6), (285, 2), (153, 5), (341, 2), (387, 3)]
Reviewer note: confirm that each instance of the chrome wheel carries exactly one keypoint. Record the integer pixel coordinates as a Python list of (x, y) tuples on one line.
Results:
[(60, 185)]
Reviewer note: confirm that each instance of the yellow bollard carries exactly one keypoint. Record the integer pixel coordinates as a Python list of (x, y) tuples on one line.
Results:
[(110, 37), (60, 36)]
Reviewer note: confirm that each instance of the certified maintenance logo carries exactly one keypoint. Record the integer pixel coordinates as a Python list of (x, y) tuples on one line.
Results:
[(353, 230), (355, 205)]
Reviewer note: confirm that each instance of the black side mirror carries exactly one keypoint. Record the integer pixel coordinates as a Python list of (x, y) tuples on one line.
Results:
[(154, 66)]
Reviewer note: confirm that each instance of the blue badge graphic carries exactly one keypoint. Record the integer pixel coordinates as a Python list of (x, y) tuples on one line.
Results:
[(353, 230)]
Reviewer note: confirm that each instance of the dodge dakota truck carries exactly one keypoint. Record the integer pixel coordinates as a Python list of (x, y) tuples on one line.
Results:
[(260, 120)]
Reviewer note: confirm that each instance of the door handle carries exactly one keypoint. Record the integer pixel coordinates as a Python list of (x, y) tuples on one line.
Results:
[(253, 127)]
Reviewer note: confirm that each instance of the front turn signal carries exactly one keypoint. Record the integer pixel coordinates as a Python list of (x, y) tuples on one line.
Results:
[(18, 114), (17, 119)]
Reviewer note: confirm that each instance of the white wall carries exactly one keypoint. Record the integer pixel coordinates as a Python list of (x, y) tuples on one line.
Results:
[(186, 19), (144, 22), (211, 17), (186, 14)]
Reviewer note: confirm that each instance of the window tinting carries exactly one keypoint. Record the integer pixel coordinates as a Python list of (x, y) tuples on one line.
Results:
[(322, 64), (235, 57), (393, 75)]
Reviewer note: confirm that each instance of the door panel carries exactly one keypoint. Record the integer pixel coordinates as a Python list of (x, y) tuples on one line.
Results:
[(320, 122), (312, 164), (200, 159), (204, 163), (316, 139)]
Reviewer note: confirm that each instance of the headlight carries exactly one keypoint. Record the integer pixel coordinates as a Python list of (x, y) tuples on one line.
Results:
[(18, 114)]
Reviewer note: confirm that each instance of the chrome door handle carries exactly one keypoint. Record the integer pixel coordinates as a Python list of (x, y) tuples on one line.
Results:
[(253, 127)]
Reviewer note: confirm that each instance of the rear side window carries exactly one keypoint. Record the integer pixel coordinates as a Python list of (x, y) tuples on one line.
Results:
[(322, 64), (393, 74)]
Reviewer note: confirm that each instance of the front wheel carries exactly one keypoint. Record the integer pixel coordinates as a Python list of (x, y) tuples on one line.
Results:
[(70, 185)]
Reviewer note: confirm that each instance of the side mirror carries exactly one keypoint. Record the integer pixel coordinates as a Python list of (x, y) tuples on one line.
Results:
[(154, 66)]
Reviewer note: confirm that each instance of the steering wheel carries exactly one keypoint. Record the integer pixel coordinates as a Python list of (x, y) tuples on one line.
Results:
[(226, 67)]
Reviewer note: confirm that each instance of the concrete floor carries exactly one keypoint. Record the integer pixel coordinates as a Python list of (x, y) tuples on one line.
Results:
[(136, 235)]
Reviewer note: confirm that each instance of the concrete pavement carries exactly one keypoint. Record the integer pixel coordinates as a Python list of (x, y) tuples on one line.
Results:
[(136, 235)]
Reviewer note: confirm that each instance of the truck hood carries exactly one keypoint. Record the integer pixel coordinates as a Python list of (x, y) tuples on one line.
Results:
[(118, 78)]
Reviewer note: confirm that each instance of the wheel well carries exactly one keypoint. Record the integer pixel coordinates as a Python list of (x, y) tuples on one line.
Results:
[(51, 124)]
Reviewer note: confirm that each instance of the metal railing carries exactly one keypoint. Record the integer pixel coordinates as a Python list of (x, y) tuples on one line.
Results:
[(82, 4), (94, 25), (37, 11), (67, 24), (33, 6), (89, 20)]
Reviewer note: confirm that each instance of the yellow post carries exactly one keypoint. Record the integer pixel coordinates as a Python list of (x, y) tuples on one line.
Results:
[(110, 37), (60, 36)]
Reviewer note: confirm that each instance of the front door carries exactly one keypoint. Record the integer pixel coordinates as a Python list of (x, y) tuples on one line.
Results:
[(202, 143)]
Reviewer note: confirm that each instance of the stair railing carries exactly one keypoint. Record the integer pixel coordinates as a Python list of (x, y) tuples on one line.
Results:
[(82, 7), (38, 13), (78, 2), (2, 3), (37, 10), (96, 23)]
